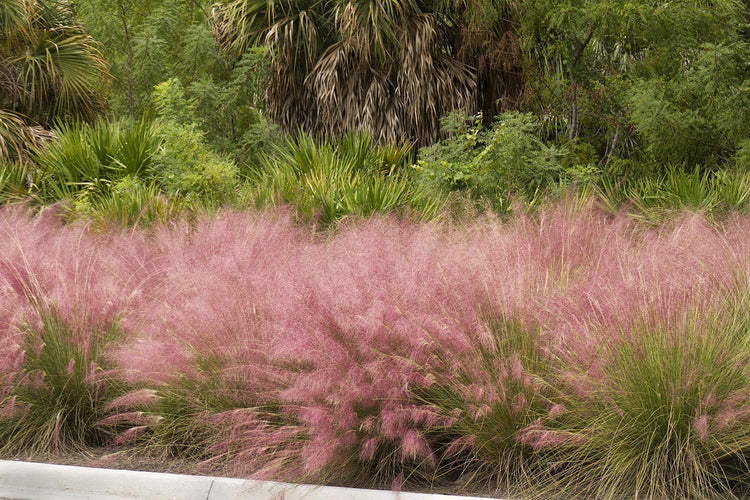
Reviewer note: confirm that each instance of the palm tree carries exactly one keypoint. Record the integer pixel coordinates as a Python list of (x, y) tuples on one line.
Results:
[(50, 69), (392, 67)]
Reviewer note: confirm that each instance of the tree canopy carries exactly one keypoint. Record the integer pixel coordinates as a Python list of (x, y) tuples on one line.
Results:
[(388, 66)]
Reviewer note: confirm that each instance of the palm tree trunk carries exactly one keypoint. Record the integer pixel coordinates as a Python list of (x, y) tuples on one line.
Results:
[(611, 149), (573, 127)]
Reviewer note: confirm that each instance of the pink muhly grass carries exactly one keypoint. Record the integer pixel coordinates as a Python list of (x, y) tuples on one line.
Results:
[(133, 417), (139, 398), (11, 408), (414, 445), (461, 444), (540, 438), (700, 425), (731, 415), (250, 443), (348, 341), (555, 411), (368, 449), (130, 435)]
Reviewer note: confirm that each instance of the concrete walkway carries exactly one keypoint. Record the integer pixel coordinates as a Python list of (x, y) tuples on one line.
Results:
[(34, 481)]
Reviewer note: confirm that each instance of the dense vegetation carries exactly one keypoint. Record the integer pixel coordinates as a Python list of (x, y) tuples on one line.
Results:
[(494, 244), (499, 102), (566, 353)]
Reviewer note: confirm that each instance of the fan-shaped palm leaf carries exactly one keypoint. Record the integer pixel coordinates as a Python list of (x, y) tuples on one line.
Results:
[(49, 70), (392, 67), (58, 74), (17, 137)]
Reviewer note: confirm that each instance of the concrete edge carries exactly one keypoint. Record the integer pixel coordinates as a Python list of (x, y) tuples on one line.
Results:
[(40, 481)]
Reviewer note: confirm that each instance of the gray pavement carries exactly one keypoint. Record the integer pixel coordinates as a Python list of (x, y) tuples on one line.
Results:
[(35, 481)]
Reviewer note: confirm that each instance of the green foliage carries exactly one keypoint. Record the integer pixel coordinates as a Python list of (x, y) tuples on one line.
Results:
[(246, 134), (129, 202), (699, 116), (657, 428), (101, 166), (243, 129), (676, 190), (14, 181), (147, 41), (615, 92), (656, 198), (90, 157), (186, 166), (742, 158), (60, 395), (495, 164), (172, 104), (584, 56), (182, 429), (50, 67), (128, 172), (327, 182)]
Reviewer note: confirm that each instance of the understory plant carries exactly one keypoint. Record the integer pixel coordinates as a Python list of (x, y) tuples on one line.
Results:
[(60, 394), (130, 202), (657, 198), (328, 181), (669, 414), (495, 165), (87, 158)]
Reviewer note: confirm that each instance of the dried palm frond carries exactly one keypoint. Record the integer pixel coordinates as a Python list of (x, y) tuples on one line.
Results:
[(50, 69), (392, 67), (17, 137)]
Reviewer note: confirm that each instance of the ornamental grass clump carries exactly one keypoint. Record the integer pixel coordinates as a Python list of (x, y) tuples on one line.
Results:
[(204, 344), (499, 402), (60, 391), (61, 307), (670, 413), (568, 352)]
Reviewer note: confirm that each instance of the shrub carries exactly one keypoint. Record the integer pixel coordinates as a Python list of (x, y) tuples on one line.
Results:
[(742, 158), (59, 394), (494, 165), (668, 417), (128, 203), (696, 118), (186, 166), (676, 190), (90, 157), (244, 133), (60, 306), (327, 182)]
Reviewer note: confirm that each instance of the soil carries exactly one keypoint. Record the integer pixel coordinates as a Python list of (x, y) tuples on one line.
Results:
[(107, 458)]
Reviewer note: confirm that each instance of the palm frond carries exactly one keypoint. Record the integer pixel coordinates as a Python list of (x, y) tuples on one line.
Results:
[(391, 67), (17, 137)]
